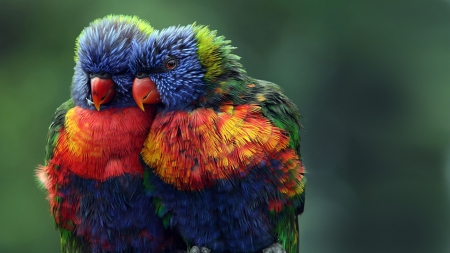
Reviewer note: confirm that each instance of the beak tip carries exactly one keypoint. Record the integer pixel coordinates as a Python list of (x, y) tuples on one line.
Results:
[(102, 91), (145, 92)]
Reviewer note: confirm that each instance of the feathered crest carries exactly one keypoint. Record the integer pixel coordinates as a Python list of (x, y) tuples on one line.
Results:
[(110, 34)]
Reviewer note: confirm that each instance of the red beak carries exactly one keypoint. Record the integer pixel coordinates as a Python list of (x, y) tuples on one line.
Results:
[(145, 92), (102, 91)]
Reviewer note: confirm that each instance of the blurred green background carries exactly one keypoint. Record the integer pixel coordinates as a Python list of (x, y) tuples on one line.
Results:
[(371, 78)]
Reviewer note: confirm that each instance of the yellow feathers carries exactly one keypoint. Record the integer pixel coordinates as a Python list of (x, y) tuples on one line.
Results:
[(77, 139), (141, 24), (193, 149), (208, 51)]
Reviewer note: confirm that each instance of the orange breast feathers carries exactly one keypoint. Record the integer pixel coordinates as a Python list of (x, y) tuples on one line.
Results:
[(100, 145), (191, 150)]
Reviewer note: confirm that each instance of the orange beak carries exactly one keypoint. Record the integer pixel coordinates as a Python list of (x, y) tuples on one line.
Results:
[(102, 91), (145, 92)]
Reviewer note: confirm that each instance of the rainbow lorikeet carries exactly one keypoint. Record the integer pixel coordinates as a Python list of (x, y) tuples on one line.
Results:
[(92, 170), (223, 152)]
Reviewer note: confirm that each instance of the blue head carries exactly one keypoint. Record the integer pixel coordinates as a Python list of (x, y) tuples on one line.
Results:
[(102, 78), (182, 67), (169, 60)]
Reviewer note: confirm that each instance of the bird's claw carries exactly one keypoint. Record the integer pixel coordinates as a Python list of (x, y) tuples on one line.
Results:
[(274, 248), (196, 249)]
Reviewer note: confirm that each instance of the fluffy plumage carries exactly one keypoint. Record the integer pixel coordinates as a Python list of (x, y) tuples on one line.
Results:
[(223, 152), (92, 171), (104, 47)]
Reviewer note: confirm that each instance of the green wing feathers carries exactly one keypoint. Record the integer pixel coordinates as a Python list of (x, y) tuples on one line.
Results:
[(55, 127), (52, 138), (283, 113), (280, 110), (68, 242)]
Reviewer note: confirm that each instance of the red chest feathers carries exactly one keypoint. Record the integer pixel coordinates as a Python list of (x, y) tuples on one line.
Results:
[(100, 145), (191, 150)]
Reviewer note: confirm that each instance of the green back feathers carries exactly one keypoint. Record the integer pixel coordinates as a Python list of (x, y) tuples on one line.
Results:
[(142, 26), (214, 53)]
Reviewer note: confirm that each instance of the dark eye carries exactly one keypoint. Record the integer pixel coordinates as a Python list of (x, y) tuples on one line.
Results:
[(104, 75), (101, 75), (171, 64), (141, 75)]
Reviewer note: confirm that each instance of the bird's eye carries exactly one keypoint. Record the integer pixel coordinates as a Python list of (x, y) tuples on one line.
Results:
[(141, 75), (103, 75), (171, 63)]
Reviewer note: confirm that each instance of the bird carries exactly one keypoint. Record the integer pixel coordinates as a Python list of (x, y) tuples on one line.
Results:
[(223, 153), (92, 172)]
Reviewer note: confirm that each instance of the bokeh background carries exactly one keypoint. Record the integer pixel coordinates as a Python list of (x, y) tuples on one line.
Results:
[(371, 78)]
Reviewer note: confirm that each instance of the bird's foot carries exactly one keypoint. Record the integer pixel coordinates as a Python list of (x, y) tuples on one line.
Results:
[(196, 249), (274, 248)]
